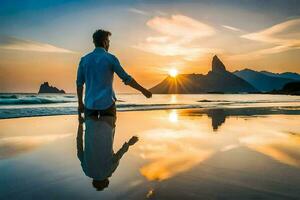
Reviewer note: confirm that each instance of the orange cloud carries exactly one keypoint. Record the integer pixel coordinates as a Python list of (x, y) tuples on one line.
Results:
[(284, 36), (12, 43), (180, 26), (176, 36)]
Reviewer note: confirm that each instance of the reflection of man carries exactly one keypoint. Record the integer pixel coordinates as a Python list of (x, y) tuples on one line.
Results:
[(97, 158), (96, 71)]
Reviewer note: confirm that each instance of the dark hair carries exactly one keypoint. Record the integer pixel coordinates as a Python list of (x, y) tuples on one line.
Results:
[(100, 184), (100, 36)]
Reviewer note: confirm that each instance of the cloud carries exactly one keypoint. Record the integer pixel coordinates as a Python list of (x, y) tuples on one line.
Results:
[(284, 36), (176, 35), (138, 11), (232, 28), (259, 53), (12, 43), (180, 26)]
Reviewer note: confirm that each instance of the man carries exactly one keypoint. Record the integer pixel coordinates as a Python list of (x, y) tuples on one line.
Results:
[(96, 71), (97, 158)]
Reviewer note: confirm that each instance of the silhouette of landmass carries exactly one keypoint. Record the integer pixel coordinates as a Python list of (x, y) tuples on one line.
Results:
[(46, 88), (292, 88), (290, 75), (218, 80), (265, 81)]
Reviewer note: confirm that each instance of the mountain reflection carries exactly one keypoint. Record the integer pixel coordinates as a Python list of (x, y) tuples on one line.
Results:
[(218, 116), (97, 158)]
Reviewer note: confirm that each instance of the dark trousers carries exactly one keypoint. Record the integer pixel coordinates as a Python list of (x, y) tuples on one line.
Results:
[(96, 114), (111, 111)]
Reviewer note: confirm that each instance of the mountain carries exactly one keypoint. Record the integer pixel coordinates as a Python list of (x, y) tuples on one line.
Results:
[(46, 88), (218, 80), (289, 75), (292, 88), (262, 81)]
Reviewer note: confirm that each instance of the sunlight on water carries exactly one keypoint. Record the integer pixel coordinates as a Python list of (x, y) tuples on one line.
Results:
[(252, 148), (173, 116), (173, 98), (175, 150)]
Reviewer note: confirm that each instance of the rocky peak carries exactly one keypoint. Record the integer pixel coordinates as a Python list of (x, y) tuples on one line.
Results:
[(46, 88), (217, 65)]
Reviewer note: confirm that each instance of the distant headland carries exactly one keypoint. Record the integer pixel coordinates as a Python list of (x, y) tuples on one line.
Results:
[(46, 88), (221, 81), (218, 80)]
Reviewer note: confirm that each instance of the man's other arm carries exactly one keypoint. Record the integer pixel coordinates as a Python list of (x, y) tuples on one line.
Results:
[(79, 83), (80, 141)]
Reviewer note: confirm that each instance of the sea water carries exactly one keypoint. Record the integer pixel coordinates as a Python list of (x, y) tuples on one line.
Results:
[(28, 105)]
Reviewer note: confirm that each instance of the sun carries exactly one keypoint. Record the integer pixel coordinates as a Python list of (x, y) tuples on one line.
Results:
[(173, 72)]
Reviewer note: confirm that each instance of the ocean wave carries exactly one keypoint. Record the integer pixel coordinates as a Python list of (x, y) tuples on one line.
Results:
[(48, 111), (29, 105), (34, 99), (13, 96)]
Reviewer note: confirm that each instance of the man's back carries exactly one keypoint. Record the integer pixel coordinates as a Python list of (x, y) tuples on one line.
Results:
[(97, 161), (96, 71)]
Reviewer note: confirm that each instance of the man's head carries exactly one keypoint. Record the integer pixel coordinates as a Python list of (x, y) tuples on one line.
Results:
[(100, 184), (101, 38)]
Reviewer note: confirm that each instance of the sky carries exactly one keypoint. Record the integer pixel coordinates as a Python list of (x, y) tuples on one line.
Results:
[(44, 40)]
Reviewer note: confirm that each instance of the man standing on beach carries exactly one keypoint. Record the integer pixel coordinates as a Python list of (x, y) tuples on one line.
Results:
[(96, 71)]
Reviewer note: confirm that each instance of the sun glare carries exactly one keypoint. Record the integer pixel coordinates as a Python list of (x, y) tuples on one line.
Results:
[(173, 72), (173, 116)]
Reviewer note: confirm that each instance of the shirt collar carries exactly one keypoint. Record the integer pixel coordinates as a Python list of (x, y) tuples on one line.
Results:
[(99, 49)]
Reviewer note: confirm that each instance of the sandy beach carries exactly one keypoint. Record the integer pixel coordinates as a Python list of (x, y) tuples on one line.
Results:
[(194, 153)]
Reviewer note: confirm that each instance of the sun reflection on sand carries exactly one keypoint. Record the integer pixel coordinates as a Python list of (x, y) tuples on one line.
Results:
[(284, 148), (173, 116), (172, 150), (169, 165), (23, 135), (11, 146)]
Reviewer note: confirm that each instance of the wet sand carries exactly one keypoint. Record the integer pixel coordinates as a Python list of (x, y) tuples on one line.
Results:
[(181, 154)]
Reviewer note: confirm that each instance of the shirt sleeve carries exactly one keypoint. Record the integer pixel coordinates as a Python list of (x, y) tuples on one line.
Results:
[(117, 156), (80, 75), (126, 78)]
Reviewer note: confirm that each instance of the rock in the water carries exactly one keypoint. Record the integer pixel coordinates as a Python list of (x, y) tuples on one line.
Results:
[(46, 88)]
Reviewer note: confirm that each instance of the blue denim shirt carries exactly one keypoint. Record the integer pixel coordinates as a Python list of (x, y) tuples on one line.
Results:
[(96, 71), (97, 158)]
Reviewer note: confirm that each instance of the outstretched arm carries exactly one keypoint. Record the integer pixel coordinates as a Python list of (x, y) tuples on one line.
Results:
[(140, 88), (124, 148), (128, 80)]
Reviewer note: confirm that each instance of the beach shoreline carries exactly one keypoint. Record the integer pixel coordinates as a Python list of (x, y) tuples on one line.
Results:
[(185, 148)]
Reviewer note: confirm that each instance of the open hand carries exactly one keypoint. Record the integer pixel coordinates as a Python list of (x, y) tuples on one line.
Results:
[(147, 93), (80, 110), (133, 140), (80, 118)]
